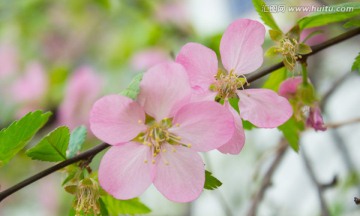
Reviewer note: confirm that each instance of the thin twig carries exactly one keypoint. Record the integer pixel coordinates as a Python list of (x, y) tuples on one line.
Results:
[(343, 123), (319, 187), (315, 49), (333, 88), (103, 146), (266, 182), (83, 156)]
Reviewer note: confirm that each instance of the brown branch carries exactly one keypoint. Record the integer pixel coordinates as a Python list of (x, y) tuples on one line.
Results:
[(99, 148), (266, 182), (83, 156), (315, 49), (343, 123), (319, 187)]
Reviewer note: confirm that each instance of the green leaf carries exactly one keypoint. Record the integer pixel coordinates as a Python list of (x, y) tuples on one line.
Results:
[(234, 102), (294, 33), (52, 147), (247, 125), (131, 206), (352, 23), (77, 139), (103, 209), (356, 64), (276, 35), (211, 183), (330, 15), (275, 79), (272, 51), (133, 89), (291, 130), (19, 133), (304, 49), (264, 12)]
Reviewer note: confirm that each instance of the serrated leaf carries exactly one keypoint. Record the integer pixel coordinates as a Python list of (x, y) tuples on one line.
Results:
[(77, 139), (131, 206), (133, 89), (291, 130), (275, 79), (356, 64), (52, 147), (19, 133), (304, 49), (211, 183), (331, 15), (264, 12)]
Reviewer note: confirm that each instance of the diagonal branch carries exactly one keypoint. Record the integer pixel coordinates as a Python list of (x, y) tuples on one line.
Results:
[(315, 49), (320, 189), (266, 182), (95, 150), (83, 156)]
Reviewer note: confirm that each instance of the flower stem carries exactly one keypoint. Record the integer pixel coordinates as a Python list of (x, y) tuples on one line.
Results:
[(304, 73)]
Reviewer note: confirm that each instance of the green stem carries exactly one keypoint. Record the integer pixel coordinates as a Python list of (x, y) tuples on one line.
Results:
[(304, 73)]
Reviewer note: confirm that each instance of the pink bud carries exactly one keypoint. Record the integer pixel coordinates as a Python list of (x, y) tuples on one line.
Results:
[(315, 119), (289, 87)]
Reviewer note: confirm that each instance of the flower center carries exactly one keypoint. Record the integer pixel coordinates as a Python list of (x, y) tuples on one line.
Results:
[(157, 134), (227, 84), (288, 48)]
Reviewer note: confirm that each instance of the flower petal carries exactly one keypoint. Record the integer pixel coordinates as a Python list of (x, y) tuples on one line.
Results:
[(83, 88), (240, 46), (164, 89), (205, 125), (201, 64), (123, 172), (264, 108), (115, 119), (237, 141), (198, 94), (289, 87), (180, 175)]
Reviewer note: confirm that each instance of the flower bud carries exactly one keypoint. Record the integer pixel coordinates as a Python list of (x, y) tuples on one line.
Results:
[(315, 119)]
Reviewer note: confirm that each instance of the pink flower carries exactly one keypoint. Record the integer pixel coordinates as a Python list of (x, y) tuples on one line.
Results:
[(8, 60), (315, 119), (241, 53), (145, 59), (155, 139), (30, 89), (83, 90), (173, 12)]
